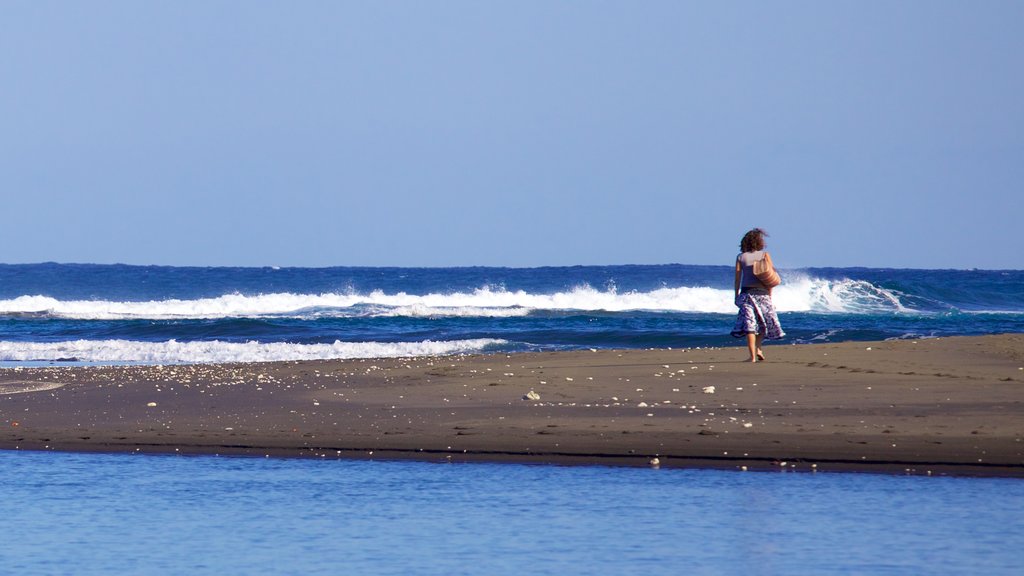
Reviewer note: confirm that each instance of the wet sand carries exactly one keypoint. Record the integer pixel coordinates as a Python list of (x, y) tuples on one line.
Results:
[(935, 406)]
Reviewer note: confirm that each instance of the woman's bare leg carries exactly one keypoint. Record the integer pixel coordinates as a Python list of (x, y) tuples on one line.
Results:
[(757, 345), (753, 344)]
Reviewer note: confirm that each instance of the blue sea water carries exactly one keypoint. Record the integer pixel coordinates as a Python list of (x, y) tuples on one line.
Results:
[(123, 314), (92, 514), (120, 514)]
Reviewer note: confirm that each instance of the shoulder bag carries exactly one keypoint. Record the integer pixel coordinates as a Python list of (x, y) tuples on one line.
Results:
[(765, 272)]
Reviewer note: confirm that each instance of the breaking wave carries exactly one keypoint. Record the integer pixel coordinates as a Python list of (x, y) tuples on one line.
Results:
[(799, 294), (172, 351)]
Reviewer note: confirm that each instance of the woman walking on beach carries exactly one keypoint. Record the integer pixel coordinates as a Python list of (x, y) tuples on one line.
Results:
[(757, 319)]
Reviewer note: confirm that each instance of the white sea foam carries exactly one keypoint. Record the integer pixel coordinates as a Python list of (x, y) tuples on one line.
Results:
[(804, 294), (798, 293), (423, 311), (172, 351)]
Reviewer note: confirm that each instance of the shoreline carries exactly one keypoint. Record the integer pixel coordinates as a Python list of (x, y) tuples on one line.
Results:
[(944, 406)]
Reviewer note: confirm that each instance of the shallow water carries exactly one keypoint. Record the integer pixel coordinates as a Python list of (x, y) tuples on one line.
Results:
[(122, 514)]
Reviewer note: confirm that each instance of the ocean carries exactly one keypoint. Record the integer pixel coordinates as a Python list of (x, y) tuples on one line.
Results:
[(119, 314), (137, 514)]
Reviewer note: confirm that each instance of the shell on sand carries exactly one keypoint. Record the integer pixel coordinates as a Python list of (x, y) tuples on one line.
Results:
[(23, 386)]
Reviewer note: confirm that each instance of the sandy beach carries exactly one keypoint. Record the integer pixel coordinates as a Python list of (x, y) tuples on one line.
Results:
[(932, 406)]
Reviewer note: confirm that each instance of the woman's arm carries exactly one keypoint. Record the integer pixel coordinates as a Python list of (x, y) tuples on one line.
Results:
[(736, 284)]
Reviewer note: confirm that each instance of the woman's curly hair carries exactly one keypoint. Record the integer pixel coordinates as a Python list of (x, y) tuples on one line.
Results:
[(753, 240)]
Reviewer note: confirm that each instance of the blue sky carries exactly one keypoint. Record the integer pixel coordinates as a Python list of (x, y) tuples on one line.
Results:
[(511, 133)]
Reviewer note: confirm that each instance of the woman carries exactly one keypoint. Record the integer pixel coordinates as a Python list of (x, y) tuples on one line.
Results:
[(757, 319)]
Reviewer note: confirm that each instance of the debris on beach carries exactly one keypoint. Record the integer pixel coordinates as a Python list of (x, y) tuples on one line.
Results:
[(709, 389), (531, 395)]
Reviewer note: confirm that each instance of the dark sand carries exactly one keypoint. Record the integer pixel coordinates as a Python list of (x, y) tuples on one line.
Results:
[(937, 406)]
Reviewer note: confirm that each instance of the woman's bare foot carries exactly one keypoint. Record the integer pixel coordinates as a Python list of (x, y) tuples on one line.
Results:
[(760, 356)]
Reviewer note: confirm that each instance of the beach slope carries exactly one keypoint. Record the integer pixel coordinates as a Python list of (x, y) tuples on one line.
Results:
[(938, 406)]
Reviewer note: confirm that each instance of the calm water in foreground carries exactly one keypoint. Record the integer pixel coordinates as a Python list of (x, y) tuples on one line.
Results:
[(120, 514)]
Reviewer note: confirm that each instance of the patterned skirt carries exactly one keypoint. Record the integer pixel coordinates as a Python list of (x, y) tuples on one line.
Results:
[(757, 316)]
